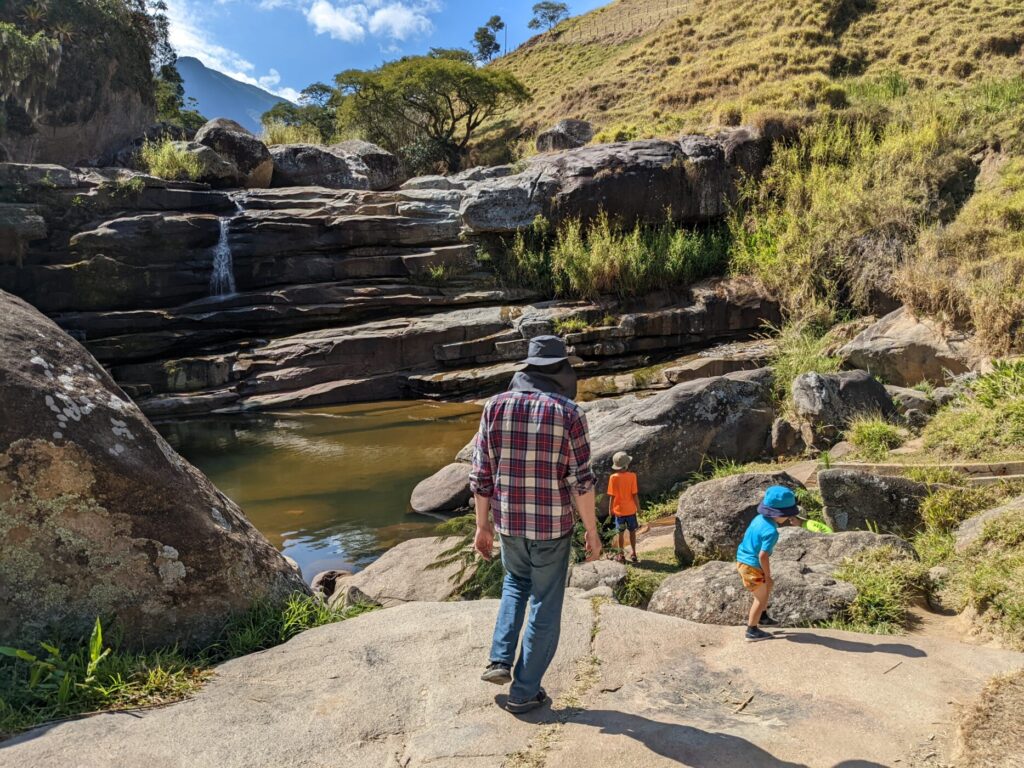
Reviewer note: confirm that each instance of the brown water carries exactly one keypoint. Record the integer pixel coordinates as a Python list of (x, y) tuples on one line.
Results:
[(329, 486)]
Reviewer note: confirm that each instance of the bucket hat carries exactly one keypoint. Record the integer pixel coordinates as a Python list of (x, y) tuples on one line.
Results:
[(546, 350), (779, 501)]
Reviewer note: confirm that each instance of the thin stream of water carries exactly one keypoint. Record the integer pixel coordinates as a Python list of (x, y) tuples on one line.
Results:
[(222, 279)]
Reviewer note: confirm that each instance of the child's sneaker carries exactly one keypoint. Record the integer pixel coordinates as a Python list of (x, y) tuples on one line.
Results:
[(754, 634), (767, 621)]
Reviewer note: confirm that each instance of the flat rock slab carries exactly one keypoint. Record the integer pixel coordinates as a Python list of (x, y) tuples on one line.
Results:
[(379, 690)]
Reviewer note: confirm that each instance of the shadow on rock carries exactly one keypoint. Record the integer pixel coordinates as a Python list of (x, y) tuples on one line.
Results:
[(691, 746), (852, 646)]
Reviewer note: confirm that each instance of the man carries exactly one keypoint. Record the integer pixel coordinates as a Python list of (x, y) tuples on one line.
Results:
[(531, 466)]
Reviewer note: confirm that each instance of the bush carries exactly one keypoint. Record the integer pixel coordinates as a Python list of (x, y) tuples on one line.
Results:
[(167, 159), (639, 587), (277, 132), (886, 581), (602, 258), (987, 421), (76, 675), (874, 437), (944, 509), (800, 347)]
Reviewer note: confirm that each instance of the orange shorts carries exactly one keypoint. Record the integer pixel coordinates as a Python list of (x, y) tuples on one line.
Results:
[(752, 577)]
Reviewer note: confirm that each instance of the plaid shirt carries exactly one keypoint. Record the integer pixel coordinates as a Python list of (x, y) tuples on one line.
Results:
[(532, 448)]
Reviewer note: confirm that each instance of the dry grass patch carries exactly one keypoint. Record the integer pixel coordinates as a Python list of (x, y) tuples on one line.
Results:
[(989, 734)]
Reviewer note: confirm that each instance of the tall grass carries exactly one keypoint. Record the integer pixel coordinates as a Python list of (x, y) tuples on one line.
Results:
[(874, 437), (170, 160), (277, 132), (69, 676), (604, 259), (800, 347)]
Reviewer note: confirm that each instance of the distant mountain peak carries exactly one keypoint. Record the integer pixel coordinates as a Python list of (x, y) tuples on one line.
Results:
[(219, 95)]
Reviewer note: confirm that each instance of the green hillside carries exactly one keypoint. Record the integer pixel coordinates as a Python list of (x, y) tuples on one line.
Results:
[(656, 66)]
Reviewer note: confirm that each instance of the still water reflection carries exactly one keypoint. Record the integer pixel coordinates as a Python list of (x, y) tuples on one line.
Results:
[(329, 486)]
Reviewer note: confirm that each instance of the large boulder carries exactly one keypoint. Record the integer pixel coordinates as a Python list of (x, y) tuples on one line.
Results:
[(347, 165), (804, 546), (856, 500), (826, 403), (100, 517), (214, 169), (905, 349), (565, 134), (406, 574), (712, 516), (713, 593), (672, 433), (633, 182), (233, 142), (446, 490)]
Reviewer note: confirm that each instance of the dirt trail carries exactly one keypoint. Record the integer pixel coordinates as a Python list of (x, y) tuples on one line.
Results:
[(400, 688)]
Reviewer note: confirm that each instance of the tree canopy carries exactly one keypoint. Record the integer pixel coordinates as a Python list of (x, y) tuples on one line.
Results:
[(426, 109), (485, 40), (548, 14), (317, 109)]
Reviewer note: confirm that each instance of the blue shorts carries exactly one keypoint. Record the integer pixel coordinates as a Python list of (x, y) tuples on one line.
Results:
[(625, 523)]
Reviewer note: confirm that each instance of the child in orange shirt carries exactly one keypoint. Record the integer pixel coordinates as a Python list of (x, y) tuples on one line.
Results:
[(623, 502)]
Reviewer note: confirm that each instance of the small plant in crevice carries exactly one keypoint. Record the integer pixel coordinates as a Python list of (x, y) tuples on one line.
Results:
[(874, 437)]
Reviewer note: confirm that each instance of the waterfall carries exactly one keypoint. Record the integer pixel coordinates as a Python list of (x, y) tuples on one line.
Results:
[(222, 280)]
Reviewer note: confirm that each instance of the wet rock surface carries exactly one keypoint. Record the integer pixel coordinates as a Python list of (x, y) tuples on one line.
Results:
[(100, 517)]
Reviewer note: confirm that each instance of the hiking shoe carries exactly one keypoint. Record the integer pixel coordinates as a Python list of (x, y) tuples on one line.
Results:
[(767, 621), (519, 707), (754, 634), (497, 673)]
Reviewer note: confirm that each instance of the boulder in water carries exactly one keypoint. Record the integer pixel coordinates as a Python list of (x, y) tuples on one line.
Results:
[(446, 490), (100, 517), (233, 142)]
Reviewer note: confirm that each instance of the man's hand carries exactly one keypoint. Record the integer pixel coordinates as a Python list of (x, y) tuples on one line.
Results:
[(592, 541), (484, 541)]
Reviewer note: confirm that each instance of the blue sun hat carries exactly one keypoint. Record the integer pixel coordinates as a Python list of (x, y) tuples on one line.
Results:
[(779, 501)]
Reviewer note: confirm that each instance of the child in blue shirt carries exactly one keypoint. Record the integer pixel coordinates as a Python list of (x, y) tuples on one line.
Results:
[(752, 556)]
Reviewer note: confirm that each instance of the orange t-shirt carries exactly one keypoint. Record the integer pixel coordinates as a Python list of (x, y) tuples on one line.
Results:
[(622, 487)]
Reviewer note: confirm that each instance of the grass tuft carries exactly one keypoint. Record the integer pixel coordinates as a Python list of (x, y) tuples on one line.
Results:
[(874, 437), (170, 160)]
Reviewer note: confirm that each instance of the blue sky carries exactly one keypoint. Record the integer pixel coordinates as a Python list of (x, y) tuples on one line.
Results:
[(284, 45)]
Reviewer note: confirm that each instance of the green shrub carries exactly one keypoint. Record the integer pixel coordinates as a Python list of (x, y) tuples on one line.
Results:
[(601, 258), (800, 348), (278, 132), (75, 675), (167, 159), (874, 437), (571, 324), (639, 587), (658, 507), (886, 582), (987, 421)]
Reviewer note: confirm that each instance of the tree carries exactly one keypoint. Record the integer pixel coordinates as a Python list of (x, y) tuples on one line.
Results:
[(426, 109), (317, 109), (485, 41), (548, 14), (171, 104)]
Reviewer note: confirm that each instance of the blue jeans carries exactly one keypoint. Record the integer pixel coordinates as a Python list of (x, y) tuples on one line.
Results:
[(535, 571)]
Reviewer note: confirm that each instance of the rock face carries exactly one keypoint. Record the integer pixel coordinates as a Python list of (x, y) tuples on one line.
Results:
[(714, 594), (670, 433), (633, 182), (355, 680), (565, 134), (712, 516), (826, 403), (803, 565), (236, 144), (404, 574), (100, 517), (348, 165), (855, 499), (599, 573), (445, 491), (907, 400), (904, 349)]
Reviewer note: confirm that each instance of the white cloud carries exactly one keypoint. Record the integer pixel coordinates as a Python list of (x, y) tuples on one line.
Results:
[(342, 22), (190, 39), (350, 21), (400, 21)]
